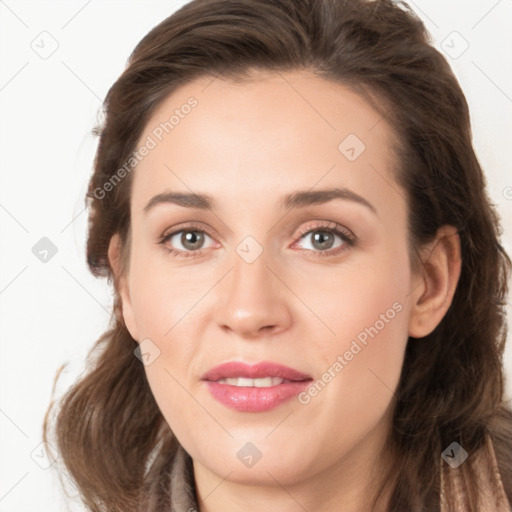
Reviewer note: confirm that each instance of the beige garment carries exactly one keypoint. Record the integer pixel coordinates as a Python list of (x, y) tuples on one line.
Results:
[(491, 498)]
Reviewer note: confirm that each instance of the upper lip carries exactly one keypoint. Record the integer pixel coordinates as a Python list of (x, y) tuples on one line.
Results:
[(254, 371)]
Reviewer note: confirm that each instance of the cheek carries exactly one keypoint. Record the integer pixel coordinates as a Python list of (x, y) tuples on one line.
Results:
[(367, 311), (173, 397), (362, 300), (161, 296), (164, 301)]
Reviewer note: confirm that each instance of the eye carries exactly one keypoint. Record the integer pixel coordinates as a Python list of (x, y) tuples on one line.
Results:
[(191, 239), (324, 236)]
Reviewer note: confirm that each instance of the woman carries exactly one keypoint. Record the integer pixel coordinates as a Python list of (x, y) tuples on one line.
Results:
[(309, 284)]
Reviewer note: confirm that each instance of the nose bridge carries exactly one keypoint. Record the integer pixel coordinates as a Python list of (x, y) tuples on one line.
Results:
[(250, 297)]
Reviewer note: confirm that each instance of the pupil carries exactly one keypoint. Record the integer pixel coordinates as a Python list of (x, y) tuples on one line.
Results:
[(321, 236), (191, 238)]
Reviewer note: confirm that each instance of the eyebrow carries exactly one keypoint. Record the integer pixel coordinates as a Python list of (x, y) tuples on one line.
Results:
[(298, 199)]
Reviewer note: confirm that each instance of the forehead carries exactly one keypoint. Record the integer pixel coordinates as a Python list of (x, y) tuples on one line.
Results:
[(275, 133)]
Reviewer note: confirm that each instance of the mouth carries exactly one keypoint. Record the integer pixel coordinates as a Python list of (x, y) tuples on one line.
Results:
[(244, 382), (254, 388), (257, 373)]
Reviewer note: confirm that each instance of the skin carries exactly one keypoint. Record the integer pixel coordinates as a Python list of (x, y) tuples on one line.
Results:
[(247, 145)]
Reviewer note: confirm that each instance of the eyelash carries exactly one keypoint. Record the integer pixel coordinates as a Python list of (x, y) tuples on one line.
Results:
[(324, 227)]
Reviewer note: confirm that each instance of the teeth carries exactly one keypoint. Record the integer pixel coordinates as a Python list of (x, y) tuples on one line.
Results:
[(264, 382)]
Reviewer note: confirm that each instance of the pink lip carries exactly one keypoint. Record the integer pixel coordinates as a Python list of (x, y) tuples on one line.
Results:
[(255, 371), (253, 399)]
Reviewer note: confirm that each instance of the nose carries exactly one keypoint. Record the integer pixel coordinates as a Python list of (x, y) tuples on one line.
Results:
[(252, 299)]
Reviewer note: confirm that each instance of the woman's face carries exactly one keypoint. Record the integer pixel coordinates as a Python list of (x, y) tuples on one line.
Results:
[(300, 260)]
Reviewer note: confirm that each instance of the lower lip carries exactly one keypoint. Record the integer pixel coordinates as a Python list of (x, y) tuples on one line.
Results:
[(252, 399)]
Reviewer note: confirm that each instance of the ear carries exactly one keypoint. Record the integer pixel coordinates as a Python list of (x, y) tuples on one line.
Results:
[(434, 290), (114, 257)]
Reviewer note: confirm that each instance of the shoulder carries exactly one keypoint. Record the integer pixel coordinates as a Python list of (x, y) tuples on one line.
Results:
[(500, 430)]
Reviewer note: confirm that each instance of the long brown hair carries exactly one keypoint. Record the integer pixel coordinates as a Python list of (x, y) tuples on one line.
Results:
[(109, 430)]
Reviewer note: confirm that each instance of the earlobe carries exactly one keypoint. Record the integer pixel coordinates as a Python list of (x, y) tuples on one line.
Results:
[(433, 296), (121, 285)]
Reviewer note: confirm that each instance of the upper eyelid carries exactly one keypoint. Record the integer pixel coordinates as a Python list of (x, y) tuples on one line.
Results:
[(187, 227), (328, 226)]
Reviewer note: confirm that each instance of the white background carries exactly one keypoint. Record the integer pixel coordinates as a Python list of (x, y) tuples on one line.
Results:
[(53, 312)]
